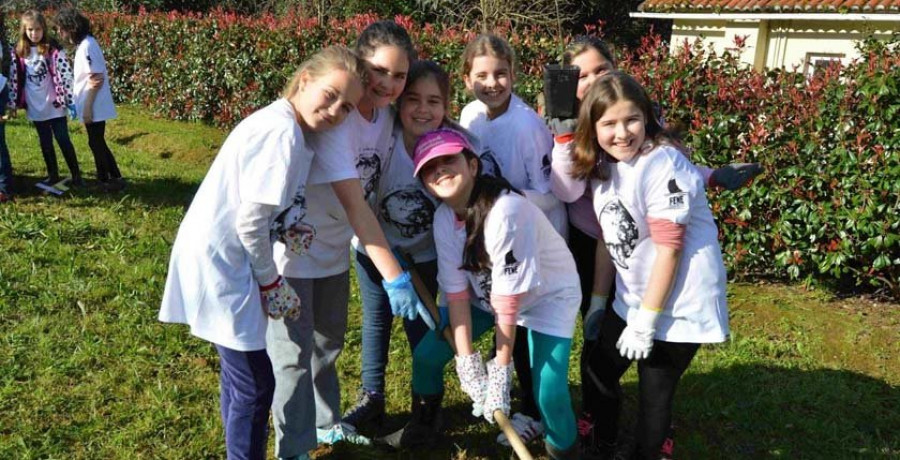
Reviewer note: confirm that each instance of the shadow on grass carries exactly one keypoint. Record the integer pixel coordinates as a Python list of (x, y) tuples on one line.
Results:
[(748, 411), (155, 192)]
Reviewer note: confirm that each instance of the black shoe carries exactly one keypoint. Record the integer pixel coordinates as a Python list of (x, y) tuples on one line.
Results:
[(423, 429), (367, 412), (572, 453), (77, 181), (114, 185), (50, 180)]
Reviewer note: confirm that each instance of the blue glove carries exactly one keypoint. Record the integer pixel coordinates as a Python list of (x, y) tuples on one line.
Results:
[(425, 315), (72, 113), (402, 296)]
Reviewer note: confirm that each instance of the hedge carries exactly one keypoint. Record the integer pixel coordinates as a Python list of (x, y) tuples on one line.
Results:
[(825, 210)]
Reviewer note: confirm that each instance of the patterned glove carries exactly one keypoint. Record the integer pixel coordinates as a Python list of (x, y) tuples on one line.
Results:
[(280, 300), (636, 340), (735, 175), (497, 396), (402, 297), (594, 317), (472, 379), (298, 238)]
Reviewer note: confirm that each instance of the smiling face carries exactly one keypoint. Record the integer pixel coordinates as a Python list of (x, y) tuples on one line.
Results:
[(387, 68), (621, 130), (422, 107), (491, 80), (322, 103), (33, 31), (592, 65), (450, 178)]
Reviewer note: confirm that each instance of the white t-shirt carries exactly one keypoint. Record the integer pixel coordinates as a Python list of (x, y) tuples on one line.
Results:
[(520, 144), (40, 93), (663, 184), (528, 257), (338, 151), (403, 207), (210, 285), (89, 59)]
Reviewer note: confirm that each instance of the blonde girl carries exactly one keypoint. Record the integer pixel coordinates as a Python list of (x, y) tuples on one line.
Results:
[(41, 83), (306, 406), (223, 281)]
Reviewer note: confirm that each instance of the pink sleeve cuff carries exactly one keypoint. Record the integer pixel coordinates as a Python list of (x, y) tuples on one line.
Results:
[(666, 233), (457, 296), (507, 308)]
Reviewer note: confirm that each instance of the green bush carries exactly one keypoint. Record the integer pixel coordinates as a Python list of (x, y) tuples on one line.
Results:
[(827, 208)]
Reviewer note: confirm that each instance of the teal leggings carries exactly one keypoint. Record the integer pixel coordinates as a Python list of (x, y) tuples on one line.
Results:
[(549, 358)]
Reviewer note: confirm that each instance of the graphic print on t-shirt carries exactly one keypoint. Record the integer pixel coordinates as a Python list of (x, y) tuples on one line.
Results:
[(510, 264), (289, 227), (676, 195), (620, 232), (38, 72), (489, 164), (545, 166), (369, 168), (408, 210), (484, 285)]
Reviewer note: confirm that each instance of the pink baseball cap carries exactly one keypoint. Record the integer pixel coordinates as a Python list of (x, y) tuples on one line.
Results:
[(438, 143)]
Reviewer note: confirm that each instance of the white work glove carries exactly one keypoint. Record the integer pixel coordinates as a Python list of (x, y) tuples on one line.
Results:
[(497, 396), (636, 340), (594, 317), (472, 379), (280, 300)]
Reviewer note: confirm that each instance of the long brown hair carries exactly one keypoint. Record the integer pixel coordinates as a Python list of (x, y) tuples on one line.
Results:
[(484, 194), (589, 160)]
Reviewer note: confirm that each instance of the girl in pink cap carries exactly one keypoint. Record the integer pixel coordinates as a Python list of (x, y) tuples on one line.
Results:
[(498, 252)]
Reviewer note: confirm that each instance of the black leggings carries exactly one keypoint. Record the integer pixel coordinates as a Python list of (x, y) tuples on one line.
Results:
[(658, 377), (106, 164), (47, 130)]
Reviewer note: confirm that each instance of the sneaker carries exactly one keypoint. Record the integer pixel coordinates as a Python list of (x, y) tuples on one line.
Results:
[(668, 446), (341, 432), (526, 427), (368, 410), (77, 181), (585, 426)]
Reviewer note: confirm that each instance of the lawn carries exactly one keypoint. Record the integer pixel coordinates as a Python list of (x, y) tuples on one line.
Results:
[(87, 372)]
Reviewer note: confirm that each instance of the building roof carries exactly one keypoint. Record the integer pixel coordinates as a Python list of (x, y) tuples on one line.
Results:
[(772, 6)]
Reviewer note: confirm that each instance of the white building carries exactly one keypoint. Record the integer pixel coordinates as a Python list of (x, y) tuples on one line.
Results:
[(779, 33)]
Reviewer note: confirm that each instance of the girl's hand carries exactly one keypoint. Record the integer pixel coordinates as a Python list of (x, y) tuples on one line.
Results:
[(280, 300), (636, 341), (497, 396), (95, 81), (473, 379)]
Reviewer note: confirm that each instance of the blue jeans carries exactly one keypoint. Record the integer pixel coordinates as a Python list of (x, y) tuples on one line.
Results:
[(47, 130), (377, 319), (247, 386), (5, 163)]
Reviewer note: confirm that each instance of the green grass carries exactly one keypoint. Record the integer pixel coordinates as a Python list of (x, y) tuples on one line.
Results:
[(87, 372)]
